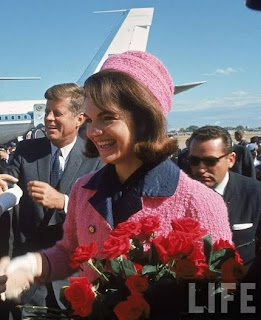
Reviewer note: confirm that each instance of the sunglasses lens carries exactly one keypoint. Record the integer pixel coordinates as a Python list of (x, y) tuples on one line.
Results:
[(210, 162), (194, 161)]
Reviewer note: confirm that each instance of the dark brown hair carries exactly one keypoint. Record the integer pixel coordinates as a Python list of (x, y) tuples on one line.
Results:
[(213, 132), (67, 90), (107, 89)]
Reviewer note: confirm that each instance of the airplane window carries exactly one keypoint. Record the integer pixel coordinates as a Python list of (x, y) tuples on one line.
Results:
[(6, 118), (12, 117), (19, 117), (25, 117)]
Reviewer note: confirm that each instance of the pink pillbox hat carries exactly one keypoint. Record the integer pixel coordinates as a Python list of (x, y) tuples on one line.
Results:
[(148, 70)]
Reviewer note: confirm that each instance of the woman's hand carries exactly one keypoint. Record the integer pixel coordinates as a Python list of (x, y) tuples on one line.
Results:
[(21, 272), (3, 278)]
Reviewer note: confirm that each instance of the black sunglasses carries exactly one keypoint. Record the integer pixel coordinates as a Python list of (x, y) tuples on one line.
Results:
[(208, 161)]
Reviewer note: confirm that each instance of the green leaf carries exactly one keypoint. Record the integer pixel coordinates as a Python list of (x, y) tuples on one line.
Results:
[(220, 256), (149, 269), (207, 243), (128, 267), (99, 265), (62, 298), (115, 265), (164, 273)]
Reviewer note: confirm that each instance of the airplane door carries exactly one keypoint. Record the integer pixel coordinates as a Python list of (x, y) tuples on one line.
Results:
[(39, 111)]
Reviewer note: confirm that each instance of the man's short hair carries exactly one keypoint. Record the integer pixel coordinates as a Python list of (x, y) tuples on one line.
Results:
[(67, 90), (240, 132), (211, 133)]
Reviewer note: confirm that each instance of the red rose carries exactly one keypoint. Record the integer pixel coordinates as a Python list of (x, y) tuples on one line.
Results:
[(138, 267), (232, 271), (176, 244), (186, 269), (189, 226), (83, 254), (126, 229), (137, 283), (179, 244), (197, 253), (223, 244), (134, 308), (161, 244), (149, 224), (114, 247), (80, 295)]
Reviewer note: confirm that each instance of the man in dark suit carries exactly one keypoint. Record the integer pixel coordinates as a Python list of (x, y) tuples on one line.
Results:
[(3, 158), (211, 157), (42, 209), (244, 163)]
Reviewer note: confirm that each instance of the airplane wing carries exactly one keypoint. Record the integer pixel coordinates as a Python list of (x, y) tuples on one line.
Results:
[(20, 78), (184, 87), (131, 33)]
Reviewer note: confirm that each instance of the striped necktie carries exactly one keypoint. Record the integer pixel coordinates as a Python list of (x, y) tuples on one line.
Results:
[(55, 172)]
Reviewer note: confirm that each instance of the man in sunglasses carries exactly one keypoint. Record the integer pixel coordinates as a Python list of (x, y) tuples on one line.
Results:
[(210, 158)]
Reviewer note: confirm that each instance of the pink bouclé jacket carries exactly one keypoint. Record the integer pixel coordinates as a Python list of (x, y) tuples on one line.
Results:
[(165, 191)]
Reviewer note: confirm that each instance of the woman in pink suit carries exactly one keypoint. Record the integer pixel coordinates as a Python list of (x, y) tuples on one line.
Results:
[(125, 108)]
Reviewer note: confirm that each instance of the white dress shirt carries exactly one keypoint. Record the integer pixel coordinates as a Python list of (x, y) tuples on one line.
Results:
[(63, 159)]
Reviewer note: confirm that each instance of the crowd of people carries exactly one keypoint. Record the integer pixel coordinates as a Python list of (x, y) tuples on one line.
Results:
[(75, 191)]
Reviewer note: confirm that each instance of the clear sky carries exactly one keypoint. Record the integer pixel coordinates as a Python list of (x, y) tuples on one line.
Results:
[(216, 41)]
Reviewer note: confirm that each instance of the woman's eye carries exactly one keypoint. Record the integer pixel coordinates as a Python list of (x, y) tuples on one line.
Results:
[(109, 118)]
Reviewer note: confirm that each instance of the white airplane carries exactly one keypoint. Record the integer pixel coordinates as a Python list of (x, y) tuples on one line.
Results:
[(18, 117)]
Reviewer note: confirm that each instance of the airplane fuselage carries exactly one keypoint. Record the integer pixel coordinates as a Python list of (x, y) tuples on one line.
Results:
[(18, 117)]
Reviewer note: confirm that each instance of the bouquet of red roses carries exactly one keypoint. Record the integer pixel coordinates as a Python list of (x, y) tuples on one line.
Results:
[(136, 259)]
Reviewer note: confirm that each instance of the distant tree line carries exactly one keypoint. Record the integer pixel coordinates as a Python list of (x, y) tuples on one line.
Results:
[(230, 128)]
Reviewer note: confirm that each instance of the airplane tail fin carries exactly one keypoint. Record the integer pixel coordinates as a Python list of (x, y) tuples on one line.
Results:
[(131, 33)]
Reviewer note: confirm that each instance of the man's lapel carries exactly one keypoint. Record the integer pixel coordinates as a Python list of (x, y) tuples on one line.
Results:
[(44, 161), (71, 169), (232, 198)]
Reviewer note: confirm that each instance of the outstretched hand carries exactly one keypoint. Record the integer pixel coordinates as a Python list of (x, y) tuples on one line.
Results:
[(45, 195), (20, 274), (3, 278), (4, 184)]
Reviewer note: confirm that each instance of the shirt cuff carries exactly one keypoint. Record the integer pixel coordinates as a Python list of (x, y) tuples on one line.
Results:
[(66, 200)]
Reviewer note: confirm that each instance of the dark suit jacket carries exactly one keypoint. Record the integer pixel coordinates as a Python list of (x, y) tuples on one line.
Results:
[(243, 198), (39, 227), (244, 161), (34, 226)]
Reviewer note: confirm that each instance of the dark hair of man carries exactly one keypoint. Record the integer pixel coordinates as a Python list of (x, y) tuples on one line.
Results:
[(254, 139), (115, 91), (67, 90), (239, 133), (211, 133)]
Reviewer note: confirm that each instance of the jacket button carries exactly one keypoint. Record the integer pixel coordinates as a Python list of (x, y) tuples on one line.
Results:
[(92, 229)]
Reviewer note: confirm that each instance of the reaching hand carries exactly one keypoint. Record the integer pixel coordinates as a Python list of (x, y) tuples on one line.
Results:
[(10, 198), (20, 273), (45, 195), (3, 183), (3, 278)]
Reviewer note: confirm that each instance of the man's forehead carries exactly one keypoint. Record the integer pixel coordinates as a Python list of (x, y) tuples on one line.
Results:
[(210, 145), (61, 103)]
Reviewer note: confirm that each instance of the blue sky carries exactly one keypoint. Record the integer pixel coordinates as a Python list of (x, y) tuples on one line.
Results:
[(216, 41)]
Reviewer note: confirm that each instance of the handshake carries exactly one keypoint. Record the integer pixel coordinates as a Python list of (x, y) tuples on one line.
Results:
[(17, 275)]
